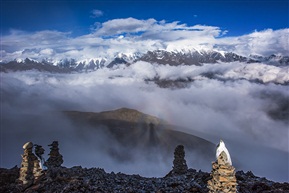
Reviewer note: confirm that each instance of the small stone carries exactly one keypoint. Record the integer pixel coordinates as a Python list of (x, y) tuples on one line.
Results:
[(223, 179), (28, 145)]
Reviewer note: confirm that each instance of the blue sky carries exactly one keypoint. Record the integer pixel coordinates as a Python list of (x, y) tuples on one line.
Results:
[(91, 29), (237, 17)]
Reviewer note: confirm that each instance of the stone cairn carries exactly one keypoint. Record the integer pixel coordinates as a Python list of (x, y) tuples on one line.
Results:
[(55, 158), (223, 177), (39, 151), (180, 166), (30, 169)]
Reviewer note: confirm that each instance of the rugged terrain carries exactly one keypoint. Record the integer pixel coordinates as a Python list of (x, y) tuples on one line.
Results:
[(78, 179)]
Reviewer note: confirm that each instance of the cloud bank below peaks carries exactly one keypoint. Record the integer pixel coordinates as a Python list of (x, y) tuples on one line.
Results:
[(130, 35)]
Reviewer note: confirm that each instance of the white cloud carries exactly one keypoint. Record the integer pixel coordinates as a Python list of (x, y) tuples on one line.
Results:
[(47, 52), (139, 36), (128, 25), (20, 40), (96, 13), (264, 42), (261, 72), (151, 29)]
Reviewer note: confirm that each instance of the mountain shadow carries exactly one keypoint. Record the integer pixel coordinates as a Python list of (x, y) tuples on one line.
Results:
[(131, 131)]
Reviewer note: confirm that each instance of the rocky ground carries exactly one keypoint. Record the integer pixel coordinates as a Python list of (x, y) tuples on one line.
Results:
[(78, 179)]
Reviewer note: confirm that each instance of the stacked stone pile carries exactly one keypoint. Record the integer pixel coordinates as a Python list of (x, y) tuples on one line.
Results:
[(222, 176), (180, 164), (30, 169), (55, 158), (39, 151)]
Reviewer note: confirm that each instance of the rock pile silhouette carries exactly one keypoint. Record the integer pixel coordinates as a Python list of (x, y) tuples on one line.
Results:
[(179, 164), (55, 158), (30, 178)]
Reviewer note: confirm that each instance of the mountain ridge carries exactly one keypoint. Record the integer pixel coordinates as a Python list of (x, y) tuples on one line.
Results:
[(162, 57)]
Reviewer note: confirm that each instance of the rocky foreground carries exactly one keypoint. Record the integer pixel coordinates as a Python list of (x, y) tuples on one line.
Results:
[(78, 179), (33, 176)]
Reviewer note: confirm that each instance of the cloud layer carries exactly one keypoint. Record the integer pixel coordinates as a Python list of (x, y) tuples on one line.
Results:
[(235, 111), (128, 35)]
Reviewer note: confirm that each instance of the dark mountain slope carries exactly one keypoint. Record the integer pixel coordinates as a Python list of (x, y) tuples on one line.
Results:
[(28, 64), (136, 131)]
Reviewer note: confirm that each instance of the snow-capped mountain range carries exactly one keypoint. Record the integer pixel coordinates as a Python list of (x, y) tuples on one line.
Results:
[(190, 64), (172, 58), (192, 57)]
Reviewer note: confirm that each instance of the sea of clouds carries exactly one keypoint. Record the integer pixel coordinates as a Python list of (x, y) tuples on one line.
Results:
[(232, 107)]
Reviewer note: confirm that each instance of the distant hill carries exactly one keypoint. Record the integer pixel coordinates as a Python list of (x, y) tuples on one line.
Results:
[(135, 131)]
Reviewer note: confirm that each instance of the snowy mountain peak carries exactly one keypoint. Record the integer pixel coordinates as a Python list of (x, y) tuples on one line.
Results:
[(191, 56), (129, 57), (26, 60)]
